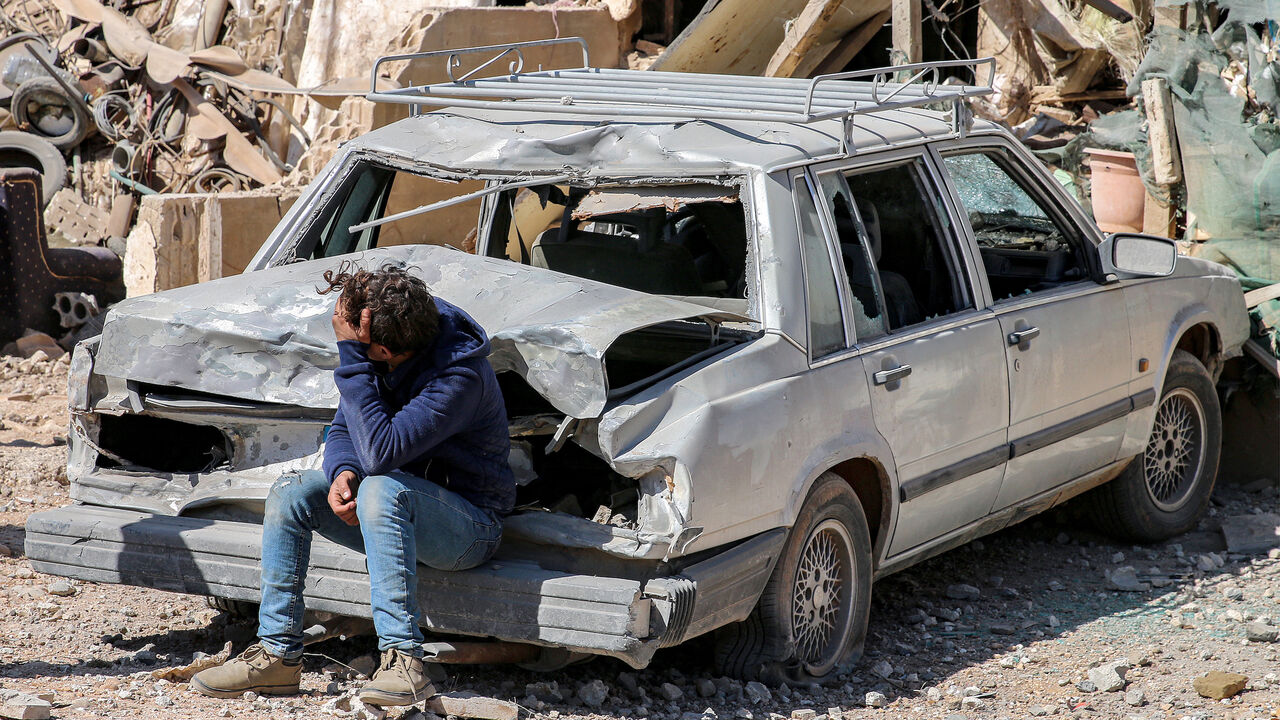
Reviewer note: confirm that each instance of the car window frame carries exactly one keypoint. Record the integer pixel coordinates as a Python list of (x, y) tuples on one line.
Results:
[(803, 179), (977, 292), (1050, 195)]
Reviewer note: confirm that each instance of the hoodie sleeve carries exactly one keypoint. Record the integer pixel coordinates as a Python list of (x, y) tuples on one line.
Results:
[(339, 453), (383, 441)]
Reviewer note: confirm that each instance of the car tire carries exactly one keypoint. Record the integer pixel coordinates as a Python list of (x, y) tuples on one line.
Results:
[(811, 619), (66, 131), (19, 149), (1165, 490)]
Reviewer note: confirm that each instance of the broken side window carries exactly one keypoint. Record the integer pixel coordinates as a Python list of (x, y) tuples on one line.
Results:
[(371, 192)]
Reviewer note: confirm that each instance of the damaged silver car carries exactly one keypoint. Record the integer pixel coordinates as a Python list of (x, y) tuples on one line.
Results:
[(761, 342)]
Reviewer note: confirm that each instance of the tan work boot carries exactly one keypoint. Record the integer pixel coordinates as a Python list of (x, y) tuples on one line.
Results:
[(254, 669), (401, 679)]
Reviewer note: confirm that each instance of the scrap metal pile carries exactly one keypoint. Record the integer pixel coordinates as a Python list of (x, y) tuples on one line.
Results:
[(140, 99)]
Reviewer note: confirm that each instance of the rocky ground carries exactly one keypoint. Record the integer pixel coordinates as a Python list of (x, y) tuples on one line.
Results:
[(1028, 622)]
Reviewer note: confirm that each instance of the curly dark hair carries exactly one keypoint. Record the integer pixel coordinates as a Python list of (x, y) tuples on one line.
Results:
[(404, 315)]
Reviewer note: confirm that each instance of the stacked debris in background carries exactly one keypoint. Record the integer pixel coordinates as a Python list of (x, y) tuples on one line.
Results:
[(176, 133), (1222, 69)]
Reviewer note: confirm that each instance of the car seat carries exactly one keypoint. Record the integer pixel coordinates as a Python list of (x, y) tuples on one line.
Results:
[(32, 273), (899, 298), (661, 269)]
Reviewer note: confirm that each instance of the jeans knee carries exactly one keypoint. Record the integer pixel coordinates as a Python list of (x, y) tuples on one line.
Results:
[(377, 496), (287, 499)]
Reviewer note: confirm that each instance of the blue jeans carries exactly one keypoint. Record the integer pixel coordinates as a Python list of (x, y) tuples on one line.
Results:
[(404, 520)]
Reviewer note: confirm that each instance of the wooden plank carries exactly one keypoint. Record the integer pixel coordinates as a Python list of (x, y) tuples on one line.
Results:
[(1171, 17), (906, 32), (1158, 217), (851, 44), (741, 36), (801, 36), (1162, 136)]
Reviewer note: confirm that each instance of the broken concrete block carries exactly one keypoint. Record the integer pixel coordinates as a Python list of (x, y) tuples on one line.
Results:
[(1126, 579), (183, 239), (1251, 533), (75, 219), (1261, 632), (21, 706), (470, 705), (1110, 677), (1218, 685)]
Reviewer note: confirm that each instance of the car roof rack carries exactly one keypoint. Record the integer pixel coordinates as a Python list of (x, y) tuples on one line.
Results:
[(587, 90)]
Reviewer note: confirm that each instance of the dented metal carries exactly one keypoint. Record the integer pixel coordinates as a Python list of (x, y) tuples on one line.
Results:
[(272, 340)]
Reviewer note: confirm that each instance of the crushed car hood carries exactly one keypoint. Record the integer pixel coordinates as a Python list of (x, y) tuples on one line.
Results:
[(266, 335)]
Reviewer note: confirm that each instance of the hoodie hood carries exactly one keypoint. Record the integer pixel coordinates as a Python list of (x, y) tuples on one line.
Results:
[(459, 339), (266, 335)]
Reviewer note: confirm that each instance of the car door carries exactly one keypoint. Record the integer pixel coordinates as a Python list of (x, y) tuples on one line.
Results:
[(931, 356), (1065, 336)]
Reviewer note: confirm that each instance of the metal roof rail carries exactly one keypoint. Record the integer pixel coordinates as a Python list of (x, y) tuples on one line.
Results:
[(607, 92)]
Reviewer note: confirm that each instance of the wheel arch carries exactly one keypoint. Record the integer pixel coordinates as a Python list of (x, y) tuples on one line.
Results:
[(1194, 329), (869, 480)]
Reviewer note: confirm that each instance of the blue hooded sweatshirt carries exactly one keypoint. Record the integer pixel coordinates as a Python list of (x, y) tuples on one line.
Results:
[(439, 415)]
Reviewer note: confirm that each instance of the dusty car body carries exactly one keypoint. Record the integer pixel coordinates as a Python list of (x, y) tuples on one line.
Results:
[(680, 446)]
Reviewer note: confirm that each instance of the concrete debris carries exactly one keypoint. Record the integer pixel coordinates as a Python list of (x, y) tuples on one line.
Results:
[(758, 692), (1251, 533), (470, 705), (1261, 632), (22, 706), (961, 591), (804, 714), (1110, 677), (630, 683), (1135, 698), (670, 692), (1126, 579), (1039, 711), (34, 342), (1218, 685), (61, 588), (594, 693), (875, 699), (184, 673)]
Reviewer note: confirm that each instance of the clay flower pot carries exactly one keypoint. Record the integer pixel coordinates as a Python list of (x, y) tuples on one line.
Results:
[(1116, 194)]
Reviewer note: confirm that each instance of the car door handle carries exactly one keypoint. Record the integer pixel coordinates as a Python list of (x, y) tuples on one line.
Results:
[(885, 377), (1020, 336)]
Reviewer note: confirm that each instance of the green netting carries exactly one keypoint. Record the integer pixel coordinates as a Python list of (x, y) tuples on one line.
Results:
[(1250, 11), (1226, 89)]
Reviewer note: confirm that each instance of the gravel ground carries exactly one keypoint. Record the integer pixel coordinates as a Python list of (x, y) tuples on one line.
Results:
[(1009, 626)]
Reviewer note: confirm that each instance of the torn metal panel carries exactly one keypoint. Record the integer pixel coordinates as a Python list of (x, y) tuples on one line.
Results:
[(623, 200), (271, 340)]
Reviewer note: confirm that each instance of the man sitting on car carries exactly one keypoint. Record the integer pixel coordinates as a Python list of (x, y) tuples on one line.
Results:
[(415, 471)]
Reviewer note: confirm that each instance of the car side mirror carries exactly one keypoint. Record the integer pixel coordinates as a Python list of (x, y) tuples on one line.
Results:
[(1138, 255)]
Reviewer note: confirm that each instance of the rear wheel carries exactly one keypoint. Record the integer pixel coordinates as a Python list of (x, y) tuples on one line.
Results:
[(812, 616), (1165, 490)]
